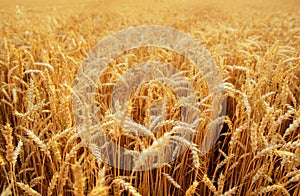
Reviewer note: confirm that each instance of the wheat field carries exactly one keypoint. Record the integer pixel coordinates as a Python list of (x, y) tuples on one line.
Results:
[(255, 46)]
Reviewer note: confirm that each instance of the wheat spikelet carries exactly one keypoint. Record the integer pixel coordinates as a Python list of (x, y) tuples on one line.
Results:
[(37, 140), (47, 65), (193, 147), (171, 180), (28, 190), (254, 137), (261, 171), (100, 188), (79, 184), (234, 165), (221, 182), (272, 188), (262, 140), (30, 111), (291, 96), (209, 184), (288, 158), (108, 123), (237, 67), (56, 151), (222, 163), (195, 153), (265, 120), (16, 153), (292, 128), (62, 54), (236, 134), (292, 173), (137, 128), (288, 114), (73, 151), (52, 183), (63, 176), (127, 186), (36, 181), (30, 94), (192, 189), (268, 150), (99, 191), (183, 129), (230, 192), (295, 178), (229, 123), (60, 135), (158, 144), (32, 71), (291, 145), (9, 142), (247, 104)]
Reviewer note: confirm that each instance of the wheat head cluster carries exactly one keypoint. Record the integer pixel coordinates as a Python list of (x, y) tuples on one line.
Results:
[(255, 46)]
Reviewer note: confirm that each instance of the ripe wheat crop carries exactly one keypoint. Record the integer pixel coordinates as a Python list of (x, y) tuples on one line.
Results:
[(256, 48)]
